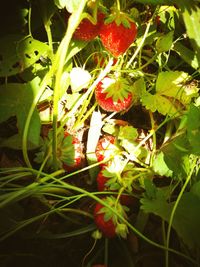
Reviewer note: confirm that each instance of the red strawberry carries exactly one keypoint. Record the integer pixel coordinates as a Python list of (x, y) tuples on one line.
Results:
[(71, 152), (106, 221), (86, 30), (103, 184), (113, 94), (106, 148), (107, 227), (118, 35), (101, 181)]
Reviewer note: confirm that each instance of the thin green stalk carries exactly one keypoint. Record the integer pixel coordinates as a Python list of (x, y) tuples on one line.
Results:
[(139, 46), (81, 100), (60, 61), (29, 19), (151, 60), (153, 136), (32, 188), (49, 35), (174, 210), (44, 83)]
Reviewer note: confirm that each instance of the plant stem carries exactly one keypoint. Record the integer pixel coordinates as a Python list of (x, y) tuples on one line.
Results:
[(139, 46), (60, 59), (174, 210)]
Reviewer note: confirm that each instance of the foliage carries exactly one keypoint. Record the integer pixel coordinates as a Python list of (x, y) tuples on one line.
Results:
[(51, 123)]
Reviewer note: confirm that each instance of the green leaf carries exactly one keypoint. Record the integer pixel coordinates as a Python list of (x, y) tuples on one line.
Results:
[(15, 142), (193, 128), (187, 217), (159, 103), (190, 12), (164, 43), (127, 132), (176, 156), (172, 92), (16, 100), (75, 47), (173, 84), (70, 5), (18, 52), (160, 167), (150, 188), (186, 54)]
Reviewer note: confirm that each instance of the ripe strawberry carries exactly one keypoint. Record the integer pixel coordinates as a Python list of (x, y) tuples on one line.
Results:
[(71, 152), (118, 35), (107, 227), (106, 148), (113, 94), (101, 181), (86, 30), (108, 182), (106, 221)]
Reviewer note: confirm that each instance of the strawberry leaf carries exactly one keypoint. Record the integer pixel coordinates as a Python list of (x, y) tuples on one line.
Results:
[(193, 128), (172, 93), (16, 100), (160, 167), (127, 132), (159, 103), (19, 52), (173, 84), (164, 43), (186, 219)]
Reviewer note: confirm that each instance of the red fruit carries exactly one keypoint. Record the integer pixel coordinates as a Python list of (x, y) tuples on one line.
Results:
[(105, 148), (71, 152), (87, 31), (106, 227), (113, 95), (126, 200), (101, 181), (117, 38)]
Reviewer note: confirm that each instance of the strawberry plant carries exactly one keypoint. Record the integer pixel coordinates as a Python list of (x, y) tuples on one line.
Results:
[(100, 133)]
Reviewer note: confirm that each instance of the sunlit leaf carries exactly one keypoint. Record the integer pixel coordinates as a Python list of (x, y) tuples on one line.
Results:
[(164, 43), (18, 52), (160, 167), (159, 103), (16, 100)]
